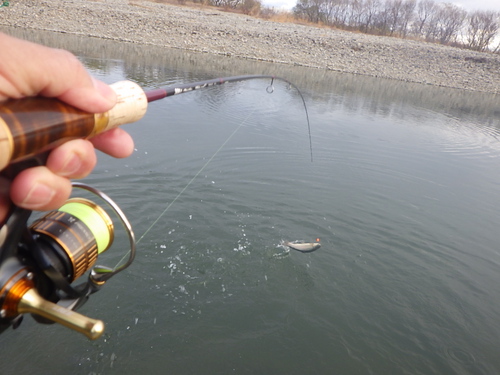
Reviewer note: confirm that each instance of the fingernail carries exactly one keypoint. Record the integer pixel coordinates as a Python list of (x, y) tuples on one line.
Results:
[(72, 166), (38, 196)]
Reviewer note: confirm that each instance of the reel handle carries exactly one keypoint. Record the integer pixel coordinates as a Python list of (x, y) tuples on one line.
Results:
[(19, 296), (32, 302), (32, 125)]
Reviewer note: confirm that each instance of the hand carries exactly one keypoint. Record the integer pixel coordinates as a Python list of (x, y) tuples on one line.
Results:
[(28, 69)]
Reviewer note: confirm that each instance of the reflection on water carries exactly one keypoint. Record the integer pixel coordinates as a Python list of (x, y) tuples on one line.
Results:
[(151, 66), (403, 193)]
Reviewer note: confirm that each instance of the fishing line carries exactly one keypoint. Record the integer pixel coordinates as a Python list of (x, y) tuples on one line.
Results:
[(182, 88), (190, 182), (161, 93), (196, 175)]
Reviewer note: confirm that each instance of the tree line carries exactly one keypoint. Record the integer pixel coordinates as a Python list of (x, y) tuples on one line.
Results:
[(427, 20), (443, 23)]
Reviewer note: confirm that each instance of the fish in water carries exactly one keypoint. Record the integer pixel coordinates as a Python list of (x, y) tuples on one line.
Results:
[(305, 247)]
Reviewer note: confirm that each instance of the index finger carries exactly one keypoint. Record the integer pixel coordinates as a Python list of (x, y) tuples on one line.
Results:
[(29, 69)]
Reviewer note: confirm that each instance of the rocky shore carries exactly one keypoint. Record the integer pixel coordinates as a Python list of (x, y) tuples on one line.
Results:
[(213, 31)]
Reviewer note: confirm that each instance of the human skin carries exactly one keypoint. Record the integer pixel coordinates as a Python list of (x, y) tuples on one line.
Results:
[(28, 69)]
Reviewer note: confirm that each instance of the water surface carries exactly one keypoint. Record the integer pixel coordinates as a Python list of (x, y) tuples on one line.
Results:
[(403, 193)]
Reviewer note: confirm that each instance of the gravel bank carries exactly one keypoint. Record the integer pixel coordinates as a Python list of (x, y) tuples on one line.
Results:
[(216, 32)]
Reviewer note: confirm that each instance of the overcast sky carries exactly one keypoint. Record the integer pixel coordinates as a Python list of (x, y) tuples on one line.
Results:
[(466, 4)]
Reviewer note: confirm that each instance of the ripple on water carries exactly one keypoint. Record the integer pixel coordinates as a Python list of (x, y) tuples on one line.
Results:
[(460, 356)]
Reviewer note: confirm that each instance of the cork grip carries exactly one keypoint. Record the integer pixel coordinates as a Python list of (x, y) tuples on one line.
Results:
[(130, 106)]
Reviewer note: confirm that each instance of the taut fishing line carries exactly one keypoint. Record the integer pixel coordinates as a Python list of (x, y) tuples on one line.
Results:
[(155, 96), (196, 175), (190, 182)]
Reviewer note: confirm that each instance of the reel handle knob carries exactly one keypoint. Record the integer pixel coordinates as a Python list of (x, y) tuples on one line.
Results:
[(32, 302)]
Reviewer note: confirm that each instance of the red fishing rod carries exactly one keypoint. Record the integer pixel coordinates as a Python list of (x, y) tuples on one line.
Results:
[(32, 125)]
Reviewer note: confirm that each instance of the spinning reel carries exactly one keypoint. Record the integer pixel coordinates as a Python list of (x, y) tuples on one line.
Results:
[(39, 263)]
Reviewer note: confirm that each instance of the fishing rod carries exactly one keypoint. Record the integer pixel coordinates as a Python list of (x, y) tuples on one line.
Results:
[(33, 125), (39, 263)]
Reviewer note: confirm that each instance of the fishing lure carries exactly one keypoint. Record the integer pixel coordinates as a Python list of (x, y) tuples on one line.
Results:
[(305, 247)]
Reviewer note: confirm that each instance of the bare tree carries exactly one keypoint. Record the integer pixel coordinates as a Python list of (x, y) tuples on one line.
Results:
[(372, 7), (483, 27), (309, 10), (358, 10), (436, 22), (425, 9), (340, 12), (382, 19), (451, 20), (394, 9), (445, 23), (329, 8), (407, 16)]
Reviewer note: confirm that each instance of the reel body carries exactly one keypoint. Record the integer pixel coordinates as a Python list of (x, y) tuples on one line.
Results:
[(40, 263)]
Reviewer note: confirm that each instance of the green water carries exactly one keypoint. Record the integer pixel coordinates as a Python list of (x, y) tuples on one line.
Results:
[(403, 193)]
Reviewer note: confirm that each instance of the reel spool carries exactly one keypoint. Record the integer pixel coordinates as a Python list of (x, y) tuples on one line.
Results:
[(74, 235)]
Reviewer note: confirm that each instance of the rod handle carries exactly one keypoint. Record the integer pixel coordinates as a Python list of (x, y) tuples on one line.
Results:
[(131, 104), (31, 126)]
